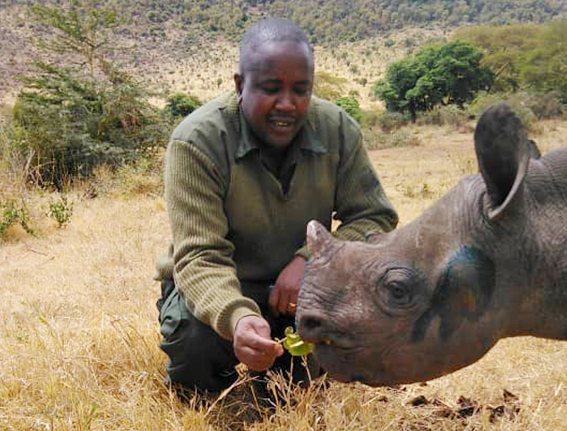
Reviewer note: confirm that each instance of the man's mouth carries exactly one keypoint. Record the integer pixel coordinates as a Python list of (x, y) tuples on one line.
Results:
[(282, 123)]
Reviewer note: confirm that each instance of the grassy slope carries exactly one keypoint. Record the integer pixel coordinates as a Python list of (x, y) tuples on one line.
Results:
[(207, 69), (79, 334)]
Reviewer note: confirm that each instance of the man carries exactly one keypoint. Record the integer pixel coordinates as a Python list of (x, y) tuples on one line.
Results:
[(244, 175)]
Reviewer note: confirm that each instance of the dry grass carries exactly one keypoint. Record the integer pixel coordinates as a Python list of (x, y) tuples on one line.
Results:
[(80, 338)]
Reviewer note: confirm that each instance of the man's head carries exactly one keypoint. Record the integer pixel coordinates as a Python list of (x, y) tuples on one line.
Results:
[(275, 80)]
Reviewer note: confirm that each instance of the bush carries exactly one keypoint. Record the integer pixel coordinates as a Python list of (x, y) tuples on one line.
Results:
[(445, 115), (389, 121), (351, 106), (12, 213), (61, 210), (547, 105), (181, 105)]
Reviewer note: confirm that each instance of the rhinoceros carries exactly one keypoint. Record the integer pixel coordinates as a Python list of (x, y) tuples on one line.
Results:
[(488, 260)]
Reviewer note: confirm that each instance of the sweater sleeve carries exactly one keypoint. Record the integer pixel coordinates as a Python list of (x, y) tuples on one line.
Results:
[(361, 203), (204, 271)]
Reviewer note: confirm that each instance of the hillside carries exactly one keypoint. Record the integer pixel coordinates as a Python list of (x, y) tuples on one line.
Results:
[(193, 48)]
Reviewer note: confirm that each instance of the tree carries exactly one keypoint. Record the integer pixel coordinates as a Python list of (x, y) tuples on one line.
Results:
[(544, 68), (437, 75), (503, 48), (87, 112)]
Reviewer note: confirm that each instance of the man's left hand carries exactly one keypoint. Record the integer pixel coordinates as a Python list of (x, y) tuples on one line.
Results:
[(283, 298)]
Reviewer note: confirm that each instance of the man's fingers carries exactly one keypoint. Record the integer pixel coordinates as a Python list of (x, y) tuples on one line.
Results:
[(257, 361), (260, 360)]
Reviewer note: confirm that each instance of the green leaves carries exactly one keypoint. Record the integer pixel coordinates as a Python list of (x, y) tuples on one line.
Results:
[(294, 344)]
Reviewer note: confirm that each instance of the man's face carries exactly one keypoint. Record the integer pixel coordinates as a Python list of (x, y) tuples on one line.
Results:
[(276, 91)]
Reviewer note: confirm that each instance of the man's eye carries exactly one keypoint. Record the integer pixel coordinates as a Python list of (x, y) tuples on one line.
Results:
[(302, 92), (270, 90)]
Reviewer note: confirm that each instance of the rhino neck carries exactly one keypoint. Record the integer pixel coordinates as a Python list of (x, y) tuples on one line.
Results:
[(543, 309)]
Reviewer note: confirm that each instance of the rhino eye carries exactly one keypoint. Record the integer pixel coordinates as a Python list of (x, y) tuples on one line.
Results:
[(399, 294), (396, 288)]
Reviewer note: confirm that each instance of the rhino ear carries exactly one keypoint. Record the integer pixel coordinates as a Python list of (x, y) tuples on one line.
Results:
[(319, 241), (502, 150)]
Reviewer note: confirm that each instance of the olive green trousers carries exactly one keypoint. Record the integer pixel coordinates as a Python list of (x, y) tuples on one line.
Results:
[(199, 359)]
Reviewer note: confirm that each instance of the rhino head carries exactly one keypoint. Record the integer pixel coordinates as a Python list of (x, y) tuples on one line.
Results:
[(483, 263)]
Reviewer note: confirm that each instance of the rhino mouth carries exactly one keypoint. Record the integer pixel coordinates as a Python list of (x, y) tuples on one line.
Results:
[(339, 360)]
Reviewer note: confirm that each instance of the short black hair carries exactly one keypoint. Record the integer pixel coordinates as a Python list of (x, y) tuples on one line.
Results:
[(269, 30)]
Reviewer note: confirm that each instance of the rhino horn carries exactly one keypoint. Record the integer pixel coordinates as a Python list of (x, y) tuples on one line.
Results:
[(319, 241), (502, 150)]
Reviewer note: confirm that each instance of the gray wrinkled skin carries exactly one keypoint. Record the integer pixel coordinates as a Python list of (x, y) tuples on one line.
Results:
[(487, 261)]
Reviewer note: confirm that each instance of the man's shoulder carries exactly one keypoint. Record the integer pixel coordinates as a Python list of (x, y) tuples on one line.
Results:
[(207, 121)]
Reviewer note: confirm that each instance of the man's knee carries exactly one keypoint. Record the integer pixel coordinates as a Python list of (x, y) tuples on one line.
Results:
[(198, 357)]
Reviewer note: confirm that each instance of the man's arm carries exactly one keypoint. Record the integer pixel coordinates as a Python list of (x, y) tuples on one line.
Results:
[(204, 271)]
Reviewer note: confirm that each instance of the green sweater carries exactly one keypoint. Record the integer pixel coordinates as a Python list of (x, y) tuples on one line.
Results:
[(236, 223)]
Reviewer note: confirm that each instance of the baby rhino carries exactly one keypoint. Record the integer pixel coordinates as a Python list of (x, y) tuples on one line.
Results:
[(487, 261)]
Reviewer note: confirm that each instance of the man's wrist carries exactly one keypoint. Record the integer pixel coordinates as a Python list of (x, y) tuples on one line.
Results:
[(238, 314)]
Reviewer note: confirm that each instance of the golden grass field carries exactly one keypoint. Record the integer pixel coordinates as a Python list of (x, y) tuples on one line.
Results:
[(79, 335)]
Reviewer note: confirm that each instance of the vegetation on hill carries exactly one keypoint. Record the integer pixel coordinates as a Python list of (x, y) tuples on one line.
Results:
[(524, 56), (327, 22)]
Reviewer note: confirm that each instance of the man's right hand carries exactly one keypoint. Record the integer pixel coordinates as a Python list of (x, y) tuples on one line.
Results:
[(253, 345)]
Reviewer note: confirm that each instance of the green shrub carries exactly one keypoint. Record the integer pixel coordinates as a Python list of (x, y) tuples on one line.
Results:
[(351, 106), (181, 105), (61, 210), (11, 213), (145, 177)]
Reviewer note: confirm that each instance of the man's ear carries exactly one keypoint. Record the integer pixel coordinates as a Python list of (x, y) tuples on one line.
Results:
[(238, 83)]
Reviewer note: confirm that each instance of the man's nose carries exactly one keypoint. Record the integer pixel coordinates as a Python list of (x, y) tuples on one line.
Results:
[(285, 101)]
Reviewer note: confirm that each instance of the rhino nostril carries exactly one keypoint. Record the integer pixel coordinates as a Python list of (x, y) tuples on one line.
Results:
[(311, 324), (310, 328)]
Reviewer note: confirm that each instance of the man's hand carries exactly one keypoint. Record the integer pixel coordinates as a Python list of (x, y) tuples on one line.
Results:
[(253, 345), (283, 298)]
